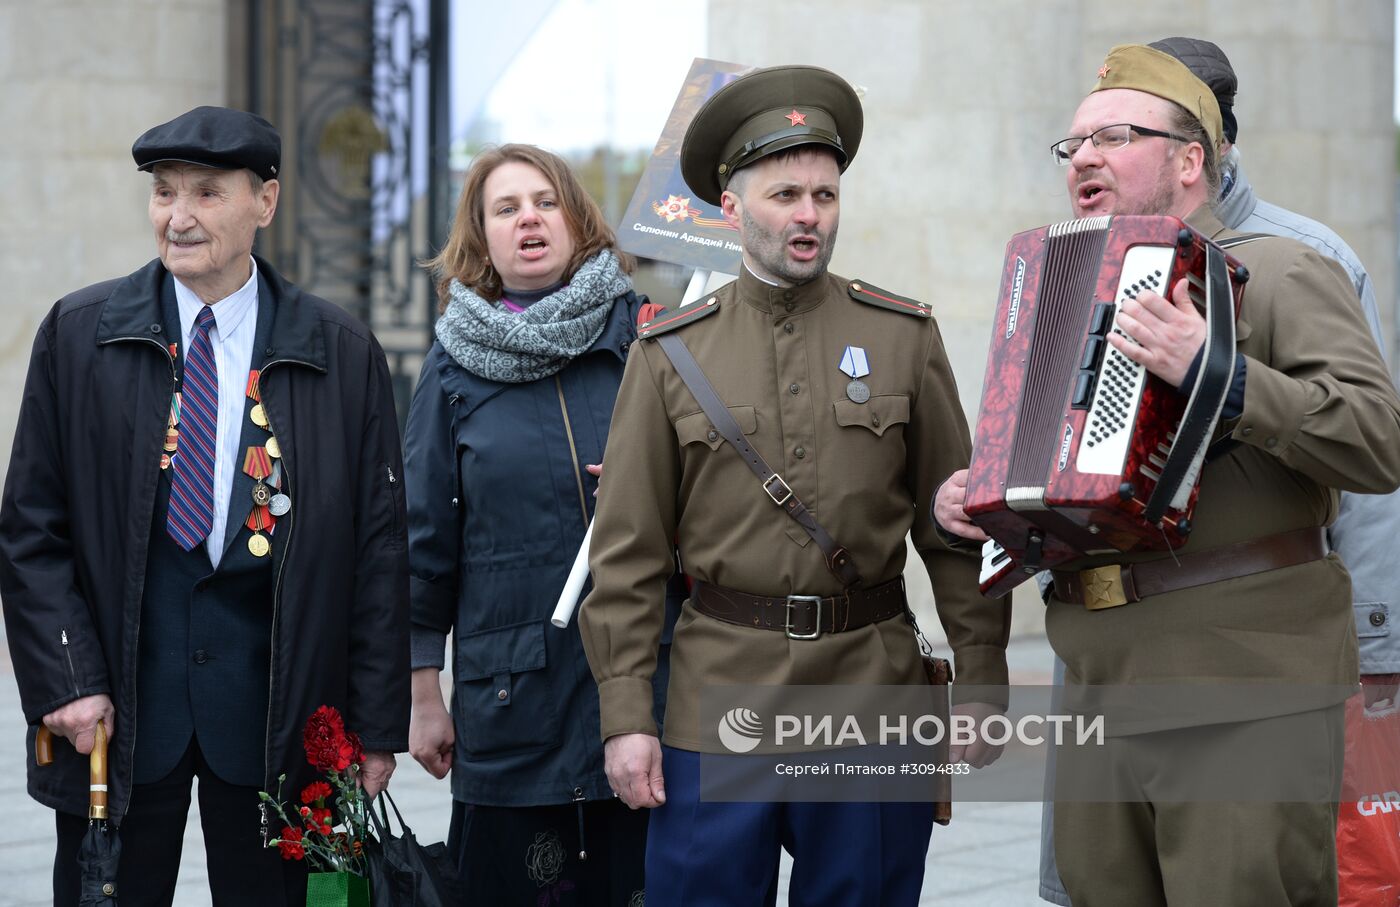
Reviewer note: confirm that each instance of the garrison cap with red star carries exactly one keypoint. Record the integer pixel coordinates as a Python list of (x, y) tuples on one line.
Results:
[(766, 111)]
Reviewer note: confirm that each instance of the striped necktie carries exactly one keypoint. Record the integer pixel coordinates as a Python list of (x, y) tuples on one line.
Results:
[(191, 513)]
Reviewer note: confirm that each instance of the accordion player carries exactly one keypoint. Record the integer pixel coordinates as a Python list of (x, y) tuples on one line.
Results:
[(1079, 450)]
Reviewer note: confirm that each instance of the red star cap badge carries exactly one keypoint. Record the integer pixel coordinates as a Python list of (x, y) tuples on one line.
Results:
[(798, 119), (1103, 71)]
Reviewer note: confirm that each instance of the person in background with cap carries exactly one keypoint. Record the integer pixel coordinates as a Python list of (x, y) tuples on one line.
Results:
[(846, 391), (1253, 596), (1367, 525), (202, 531)]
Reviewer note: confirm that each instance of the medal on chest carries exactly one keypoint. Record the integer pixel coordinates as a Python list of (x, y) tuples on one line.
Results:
[(855, 365), (263, 464)]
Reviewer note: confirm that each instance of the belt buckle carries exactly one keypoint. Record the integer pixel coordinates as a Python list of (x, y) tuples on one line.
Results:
[(787, 616), (1103, 587), (779, 499)]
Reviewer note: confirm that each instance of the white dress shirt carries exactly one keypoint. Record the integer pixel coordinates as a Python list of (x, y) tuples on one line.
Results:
[(235, 323)]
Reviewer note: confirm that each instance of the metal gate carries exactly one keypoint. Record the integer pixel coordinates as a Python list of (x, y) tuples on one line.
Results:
[(358, 90)]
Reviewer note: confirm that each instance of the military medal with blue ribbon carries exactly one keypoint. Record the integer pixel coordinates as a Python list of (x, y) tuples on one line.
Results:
[(854, 363)]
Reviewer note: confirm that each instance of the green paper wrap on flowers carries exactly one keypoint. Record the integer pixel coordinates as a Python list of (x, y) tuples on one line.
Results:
[(336, 889)]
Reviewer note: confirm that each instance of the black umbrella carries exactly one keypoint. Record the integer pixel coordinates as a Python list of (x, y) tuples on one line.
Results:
[(100, 851)]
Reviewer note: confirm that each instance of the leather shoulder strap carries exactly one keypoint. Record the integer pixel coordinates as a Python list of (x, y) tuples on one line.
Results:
[(861, 291), (838, 559)]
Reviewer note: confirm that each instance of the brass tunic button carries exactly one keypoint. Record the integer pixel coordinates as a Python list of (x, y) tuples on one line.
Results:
[(713, 435), (787, 296), (1377, 618), (800, 452), (788, 306), (787, 328), (1247, 430), (794, 389)]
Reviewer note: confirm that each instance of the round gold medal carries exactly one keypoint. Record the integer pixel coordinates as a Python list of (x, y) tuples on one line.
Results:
[(273, 448), (258, 416), (258, 545)]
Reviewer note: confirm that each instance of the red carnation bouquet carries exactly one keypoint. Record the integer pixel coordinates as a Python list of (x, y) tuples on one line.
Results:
[(329, 828)]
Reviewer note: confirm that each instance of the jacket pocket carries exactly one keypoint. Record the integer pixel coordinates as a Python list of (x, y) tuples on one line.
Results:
[(877, 414), (696, 428), (398, 507), (504, 697), (1372, 619)]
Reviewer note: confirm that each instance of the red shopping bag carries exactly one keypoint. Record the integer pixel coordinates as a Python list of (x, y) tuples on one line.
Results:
[(1368, 831)]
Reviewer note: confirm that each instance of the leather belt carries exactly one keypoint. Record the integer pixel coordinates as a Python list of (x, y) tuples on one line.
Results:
[(1117, 584), (801, 616)]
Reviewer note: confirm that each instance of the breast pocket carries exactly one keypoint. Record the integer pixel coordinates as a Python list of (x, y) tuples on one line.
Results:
[(505, 701), (878, 415), (870, 435), (696, 428)]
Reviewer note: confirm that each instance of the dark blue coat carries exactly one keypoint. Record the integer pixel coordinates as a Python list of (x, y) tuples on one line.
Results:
[(498, 502)]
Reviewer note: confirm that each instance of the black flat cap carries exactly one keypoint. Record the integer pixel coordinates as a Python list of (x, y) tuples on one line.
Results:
[(1209, 64), (213, 137), (766, 111)]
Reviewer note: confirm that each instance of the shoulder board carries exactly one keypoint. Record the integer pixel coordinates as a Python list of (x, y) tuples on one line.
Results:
[(648, 312), (864, 292), (670, 319)]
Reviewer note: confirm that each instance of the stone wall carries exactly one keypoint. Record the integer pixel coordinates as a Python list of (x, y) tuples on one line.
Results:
[(79, 81)]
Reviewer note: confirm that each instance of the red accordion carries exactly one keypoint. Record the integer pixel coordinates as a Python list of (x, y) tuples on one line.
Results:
[(1078, 449)]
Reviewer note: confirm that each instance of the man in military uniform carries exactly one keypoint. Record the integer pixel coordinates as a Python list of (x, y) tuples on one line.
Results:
[(1253, 596), (1367, 525), (846, 391)]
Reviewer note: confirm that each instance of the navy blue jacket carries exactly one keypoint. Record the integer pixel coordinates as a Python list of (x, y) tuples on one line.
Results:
[(498, 502)]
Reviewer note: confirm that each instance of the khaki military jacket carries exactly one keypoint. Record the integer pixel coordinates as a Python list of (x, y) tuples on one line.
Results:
[(868, 472), (1320, 414)]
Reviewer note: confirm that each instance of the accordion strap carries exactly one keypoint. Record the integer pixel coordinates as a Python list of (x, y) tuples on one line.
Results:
[(1188, 451), (838, 559)]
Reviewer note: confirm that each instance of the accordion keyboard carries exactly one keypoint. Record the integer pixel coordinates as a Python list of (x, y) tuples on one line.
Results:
[(1113, 410)]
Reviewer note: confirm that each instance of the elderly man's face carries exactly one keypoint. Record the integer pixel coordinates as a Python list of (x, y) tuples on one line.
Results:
[(1142, 177), (205, 221), (787, 210)]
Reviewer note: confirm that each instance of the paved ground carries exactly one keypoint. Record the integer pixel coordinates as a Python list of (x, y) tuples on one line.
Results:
[(988, 856)]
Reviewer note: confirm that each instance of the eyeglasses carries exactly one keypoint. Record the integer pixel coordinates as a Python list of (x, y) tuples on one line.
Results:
[(1106, 138)]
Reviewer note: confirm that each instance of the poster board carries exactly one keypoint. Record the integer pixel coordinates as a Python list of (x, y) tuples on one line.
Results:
[(665, 221)]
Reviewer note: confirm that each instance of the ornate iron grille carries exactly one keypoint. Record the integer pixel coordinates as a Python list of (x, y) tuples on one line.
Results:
[(355, 88)]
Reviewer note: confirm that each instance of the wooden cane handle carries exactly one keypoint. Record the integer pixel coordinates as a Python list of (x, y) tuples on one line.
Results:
[(97, 775), (43, 745)]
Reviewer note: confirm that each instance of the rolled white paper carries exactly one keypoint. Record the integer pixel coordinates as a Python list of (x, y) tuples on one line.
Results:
[(573, 586)]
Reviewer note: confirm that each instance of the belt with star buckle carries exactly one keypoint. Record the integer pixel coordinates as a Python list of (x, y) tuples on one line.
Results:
[(1111, 585)]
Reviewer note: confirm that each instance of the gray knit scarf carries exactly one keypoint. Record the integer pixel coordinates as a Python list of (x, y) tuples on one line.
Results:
[(494, 343)]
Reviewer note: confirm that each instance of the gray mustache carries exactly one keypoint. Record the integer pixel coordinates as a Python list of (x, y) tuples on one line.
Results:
[(190, 236)]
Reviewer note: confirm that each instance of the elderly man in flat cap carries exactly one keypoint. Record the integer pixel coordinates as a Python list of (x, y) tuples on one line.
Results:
[(1253, 597), (1367, 525), (203, 531), (844, 392)]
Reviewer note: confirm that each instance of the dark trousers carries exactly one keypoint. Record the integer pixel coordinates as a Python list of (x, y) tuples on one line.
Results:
[(241, 871), (718, 854), (529, 855)]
